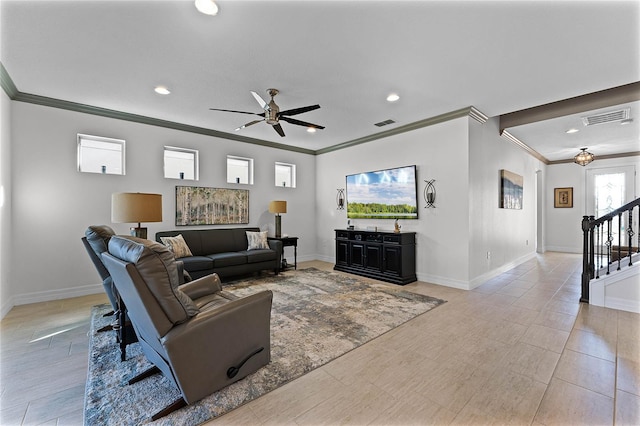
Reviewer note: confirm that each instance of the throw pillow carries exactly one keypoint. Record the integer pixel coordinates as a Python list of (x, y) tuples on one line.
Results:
[(177, 245), (257, 240)]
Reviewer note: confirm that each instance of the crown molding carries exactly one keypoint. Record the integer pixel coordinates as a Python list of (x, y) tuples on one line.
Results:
[(599, 157), (508, 136), (464, 112), (15, 95), (7, 83)]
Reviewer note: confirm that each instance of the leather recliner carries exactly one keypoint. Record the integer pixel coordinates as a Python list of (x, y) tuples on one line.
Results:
[(199, 336)]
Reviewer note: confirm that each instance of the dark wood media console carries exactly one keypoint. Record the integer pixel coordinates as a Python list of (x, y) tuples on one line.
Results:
[(386, 256)]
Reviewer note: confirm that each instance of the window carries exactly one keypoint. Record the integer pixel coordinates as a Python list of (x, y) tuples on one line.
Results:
[(239, 170), (180, 163), (286, 175), (607, 189), (100, 155)]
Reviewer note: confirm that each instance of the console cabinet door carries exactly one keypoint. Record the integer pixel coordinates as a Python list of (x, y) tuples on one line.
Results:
[(342, 252), (357, 255), (392, 260), (373, 257)]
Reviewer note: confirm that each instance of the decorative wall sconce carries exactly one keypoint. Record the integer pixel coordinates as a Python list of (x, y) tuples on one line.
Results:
[(430, 193), (340, 199), (584, 157)]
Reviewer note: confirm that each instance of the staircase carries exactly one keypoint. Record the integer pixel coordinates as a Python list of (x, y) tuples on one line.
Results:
[(611, 269)]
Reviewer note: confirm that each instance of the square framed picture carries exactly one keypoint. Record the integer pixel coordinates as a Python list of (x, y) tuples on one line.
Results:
[(563, 198)]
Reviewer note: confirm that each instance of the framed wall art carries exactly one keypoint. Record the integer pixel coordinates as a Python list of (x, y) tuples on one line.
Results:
[(197, 205), (511, 186), (563, 197)]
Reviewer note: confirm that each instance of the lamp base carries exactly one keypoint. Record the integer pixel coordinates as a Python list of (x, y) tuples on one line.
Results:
[(139, 232), (278, 226)]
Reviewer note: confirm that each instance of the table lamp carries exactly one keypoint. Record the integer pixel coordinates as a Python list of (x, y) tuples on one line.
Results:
[(278, 207), (132, 207)]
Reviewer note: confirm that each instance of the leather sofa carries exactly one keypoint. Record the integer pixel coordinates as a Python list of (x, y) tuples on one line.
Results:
[(225, 252), (200, 337)]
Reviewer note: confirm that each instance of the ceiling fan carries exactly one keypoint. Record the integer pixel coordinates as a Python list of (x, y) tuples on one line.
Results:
[(272, 114)]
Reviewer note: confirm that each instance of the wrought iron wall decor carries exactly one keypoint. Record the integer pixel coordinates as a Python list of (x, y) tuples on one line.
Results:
[(211, 206), (340, 199), (430, 193)]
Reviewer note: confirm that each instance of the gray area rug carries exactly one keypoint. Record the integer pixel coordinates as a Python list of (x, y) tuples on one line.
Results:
[(316, 317)]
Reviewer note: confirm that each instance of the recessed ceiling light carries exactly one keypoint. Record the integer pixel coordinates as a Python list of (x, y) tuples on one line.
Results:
[(393, 97), (161, 90), (572, 131), (311, 129), (208, 7)]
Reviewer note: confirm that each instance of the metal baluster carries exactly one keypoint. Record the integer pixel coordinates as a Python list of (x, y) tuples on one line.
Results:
[(599, 250), (619, 238), (630, 233), (608, 243)]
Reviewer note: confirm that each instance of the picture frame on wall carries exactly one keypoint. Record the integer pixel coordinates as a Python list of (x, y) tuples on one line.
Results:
[(563, 198), (211, 206), (511, 190)]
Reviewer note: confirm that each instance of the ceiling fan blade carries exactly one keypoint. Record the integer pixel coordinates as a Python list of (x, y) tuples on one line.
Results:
[(278, 129), (240, 112), (300, 110), (261, 101), (301, 123), (251, 123)]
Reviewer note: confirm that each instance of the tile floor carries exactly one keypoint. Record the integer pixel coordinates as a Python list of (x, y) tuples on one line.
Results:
[(520, 349)]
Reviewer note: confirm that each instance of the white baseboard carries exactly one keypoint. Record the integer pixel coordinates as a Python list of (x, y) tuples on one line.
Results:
[(623, 304), (478, 281), (563, 249), (7, 305), (65, 293), (443, 281)]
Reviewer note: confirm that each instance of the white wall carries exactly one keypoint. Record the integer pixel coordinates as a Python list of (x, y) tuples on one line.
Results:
[(564, 232), (465, 158), (508, 235), (5, 204), (440, 152), (53, 203)]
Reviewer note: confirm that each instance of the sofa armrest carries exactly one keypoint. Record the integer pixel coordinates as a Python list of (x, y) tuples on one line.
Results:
[(183, 275), (276, 245), (205, 347), (208, 284)]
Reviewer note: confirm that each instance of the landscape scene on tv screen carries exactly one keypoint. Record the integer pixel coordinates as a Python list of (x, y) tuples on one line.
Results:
[(383, 194)]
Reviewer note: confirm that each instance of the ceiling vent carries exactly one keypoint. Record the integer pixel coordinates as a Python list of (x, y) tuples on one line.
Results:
[(385, 122), (607, 117)]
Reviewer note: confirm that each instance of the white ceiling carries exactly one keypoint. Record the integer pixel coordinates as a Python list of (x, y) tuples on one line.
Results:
[(347, 56)]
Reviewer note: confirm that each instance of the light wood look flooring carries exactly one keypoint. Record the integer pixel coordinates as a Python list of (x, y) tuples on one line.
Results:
[(519, 349)]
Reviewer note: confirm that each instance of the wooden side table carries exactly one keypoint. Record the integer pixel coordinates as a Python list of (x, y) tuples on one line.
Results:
[(288, 242)]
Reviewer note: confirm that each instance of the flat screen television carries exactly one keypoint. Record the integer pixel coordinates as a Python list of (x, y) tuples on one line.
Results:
[(383, 194)]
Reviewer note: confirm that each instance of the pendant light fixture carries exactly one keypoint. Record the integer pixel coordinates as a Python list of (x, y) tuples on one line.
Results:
[(584, 157)]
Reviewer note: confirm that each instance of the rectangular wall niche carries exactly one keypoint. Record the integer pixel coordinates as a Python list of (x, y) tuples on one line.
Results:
[(211, 206)]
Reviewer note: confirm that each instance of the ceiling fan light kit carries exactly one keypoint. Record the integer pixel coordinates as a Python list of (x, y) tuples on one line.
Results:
[(272, 115), (584, 157)]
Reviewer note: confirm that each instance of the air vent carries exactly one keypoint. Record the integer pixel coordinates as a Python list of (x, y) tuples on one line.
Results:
[(607, 117), (385, 123)]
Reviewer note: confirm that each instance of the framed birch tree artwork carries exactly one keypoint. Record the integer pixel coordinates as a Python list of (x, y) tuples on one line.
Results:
[(197, 205)]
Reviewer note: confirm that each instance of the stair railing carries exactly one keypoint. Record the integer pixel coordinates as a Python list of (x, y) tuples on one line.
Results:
[(598, 247)]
